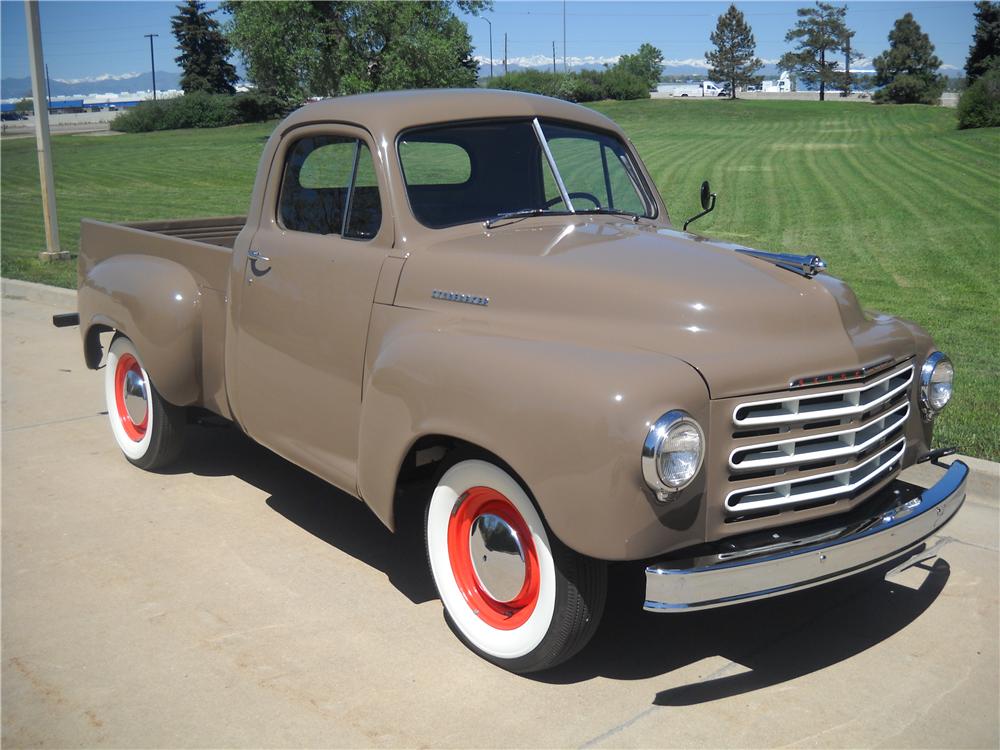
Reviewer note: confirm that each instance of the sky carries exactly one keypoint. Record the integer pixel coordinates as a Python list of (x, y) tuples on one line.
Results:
[(90, 40)]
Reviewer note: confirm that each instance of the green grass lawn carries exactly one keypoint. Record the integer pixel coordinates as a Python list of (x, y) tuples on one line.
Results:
[(898, 202)]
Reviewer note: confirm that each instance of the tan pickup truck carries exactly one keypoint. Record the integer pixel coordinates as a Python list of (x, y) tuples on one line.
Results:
[(483, 289)]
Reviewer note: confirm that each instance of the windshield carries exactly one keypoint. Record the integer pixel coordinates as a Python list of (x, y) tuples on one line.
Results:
[(478, 171)]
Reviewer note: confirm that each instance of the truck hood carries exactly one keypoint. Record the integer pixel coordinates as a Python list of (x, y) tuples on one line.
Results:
[(745, 324)]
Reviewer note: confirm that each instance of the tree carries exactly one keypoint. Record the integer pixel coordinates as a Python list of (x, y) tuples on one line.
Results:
[(820, 33), (297, 49), (204, 51), (734, 58), (984, 53), (907, 71), (646, 65)]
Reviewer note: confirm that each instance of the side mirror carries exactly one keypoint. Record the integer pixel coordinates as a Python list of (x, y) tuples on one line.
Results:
[(706, 195), (707, 203)]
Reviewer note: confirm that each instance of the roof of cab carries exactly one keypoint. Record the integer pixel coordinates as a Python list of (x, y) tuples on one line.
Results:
[(392, 111)]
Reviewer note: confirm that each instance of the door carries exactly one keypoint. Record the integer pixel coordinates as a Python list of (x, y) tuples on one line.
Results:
[(306, 300)]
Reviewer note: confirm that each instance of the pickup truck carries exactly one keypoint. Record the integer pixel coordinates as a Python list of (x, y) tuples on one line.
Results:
[(481, 294)]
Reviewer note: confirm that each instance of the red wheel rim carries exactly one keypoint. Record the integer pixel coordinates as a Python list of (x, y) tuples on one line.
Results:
[(136, 431), (476, 502)]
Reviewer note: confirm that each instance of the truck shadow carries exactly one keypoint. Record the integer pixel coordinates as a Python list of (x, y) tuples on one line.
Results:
[(315, 506), (768, 642)]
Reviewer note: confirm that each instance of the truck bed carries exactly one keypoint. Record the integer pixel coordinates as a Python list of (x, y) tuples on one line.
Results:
[(202, 245), (218, 230)]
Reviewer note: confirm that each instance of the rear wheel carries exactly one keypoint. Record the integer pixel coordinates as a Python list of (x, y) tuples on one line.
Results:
[(147, 429), (512, 594)]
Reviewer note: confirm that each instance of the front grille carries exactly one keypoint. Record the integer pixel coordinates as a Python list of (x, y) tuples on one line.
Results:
[(802, 451)]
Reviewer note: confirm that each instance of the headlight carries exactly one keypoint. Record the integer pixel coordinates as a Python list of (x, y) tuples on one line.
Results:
[(936, 378), (672, 453)]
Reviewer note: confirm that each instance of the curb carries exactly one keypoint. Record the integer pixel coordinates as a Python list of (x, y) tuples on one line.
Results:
[(42, 293)]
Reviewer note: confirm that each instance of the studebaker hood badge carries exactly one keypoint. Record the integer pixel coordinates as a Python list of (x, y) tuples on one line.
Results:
[(469, 299)]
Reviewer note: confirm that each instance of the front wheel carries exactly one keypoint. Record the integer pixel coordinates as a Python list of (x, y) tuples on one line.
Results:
[(513, 595), (147, 429)]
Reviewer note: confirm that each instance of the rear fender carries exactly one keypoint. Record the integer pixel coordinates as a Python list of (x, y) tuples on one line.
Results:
[(157, 304)]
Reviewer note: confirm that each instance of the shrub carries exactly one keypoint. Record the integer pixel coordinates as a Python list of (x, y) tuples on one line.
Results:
[(531, 82), (198, 110), (910, 89), (585, 86), (620, 84), (979, 106)]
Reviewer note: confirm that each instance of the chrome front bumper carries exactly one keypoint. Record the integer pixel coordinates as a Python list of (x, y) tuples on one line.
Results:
[(780, 561)]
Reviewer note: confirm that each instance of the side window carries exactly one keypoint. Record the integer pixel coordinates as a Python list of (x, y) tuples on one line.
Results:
[(321, 186)]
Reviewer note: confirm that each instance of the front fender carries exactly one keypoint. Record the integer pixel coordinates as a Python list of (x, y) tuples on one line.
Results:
[(157, 304), (570, 419)]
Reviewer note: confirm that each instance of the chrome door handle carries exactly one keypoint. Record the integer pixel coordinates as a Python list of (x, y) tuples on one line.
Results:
[(255, 255)]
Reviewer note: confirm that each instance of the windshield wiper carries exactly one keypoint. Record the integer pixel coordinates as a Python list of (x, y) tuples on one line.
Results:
[(609, 211), (521, 213)]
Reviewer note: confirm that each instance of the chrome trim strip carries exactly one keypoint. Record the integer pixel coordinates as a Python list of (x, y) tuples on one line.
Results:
[(537, 126), (796, 415), (787, 499), (790, 459), (679, 586), (847, 376)]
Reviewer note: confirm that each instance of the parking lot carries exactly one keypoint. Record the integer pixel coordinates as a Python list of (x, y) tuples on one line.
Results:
[(236, 601)]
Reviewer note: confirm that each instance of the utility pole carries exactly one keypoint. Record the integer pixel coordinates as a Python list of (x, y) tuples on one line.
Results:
[(553, 56), (491, 45), (152, 62), (847, 66), (565, 65), (505, 54), (48, 186), (48, 86)]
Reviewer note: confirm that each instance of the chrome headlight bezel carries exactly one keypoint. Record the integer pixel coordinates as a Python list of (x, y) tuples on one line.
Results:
[(652, 448), (927, 371)]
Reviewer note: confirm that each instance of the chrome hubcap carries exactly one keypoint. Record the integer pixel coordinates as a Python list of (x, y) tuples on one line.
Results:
[(134, 396), (497, 557)]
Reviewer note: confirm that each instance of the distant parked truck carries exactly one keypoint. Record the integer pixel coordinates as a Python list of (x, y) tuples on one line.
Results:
[(782, 85), (705, 88)]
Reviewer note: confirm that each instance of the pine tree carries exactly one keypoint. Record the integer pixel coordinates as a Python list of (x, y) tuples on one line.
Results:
[(907, 71), (734, 58), (820, 33), (204, 51), (985, 50)]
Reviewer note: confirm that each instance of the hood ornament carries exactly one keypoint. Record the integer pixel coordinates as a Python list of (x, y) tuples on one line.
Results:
[(804, 265)]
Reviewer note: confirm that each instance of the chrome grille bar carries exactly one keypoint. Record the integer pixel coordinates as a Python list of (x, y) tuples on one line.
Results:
[(821, 446), (833, 484), (846, 402)]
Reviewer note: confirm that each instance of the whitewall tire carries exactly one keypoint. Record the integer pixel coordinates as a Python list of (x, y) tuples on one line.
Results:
[(148, 430), (513, 593)]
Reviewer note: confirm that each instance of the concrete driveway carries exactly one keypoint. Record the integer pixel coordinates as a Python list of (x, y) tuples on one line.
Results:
[(238, 602)]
